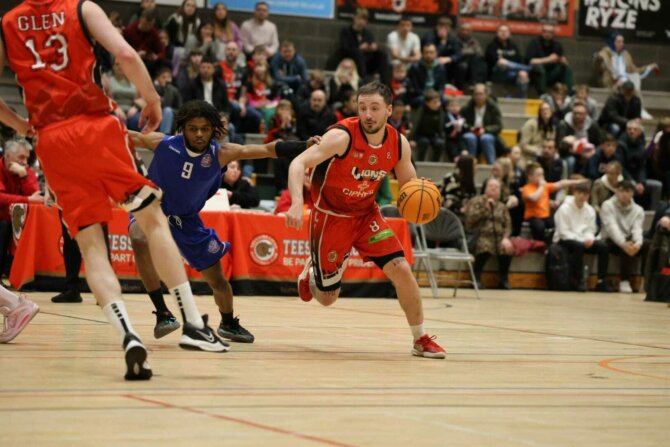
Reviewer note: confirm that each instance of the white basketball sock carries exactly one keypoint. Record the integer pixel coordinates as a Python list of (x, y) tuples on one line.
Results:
[(118, 316), (417, 331), (184, 298)]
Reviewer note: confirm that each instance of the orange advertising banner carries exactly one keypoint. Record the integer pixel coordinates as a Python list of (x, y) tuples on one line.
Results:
[(266, 257)]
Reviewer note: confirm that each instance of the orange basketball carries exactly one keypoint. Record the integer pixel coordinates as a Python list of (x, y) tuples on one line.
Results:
[(419, 201)]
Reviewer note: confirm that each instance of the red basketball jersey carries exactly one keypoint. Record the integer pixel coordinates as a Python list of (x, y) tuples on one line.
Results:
[(346, 185), (51, 52)]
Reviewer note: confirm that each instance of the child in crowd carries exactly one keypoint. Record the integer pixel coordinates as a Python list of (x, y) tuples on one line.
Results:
[(398, 118), (428, 128), (453, 129)]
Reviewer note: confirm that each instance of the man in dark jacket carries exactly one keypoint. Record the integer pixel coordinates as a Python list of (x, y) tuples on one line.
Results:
[(605, 154), (620, 108), (288, 67), (358, 43), (484, 121), (633, 151), (448, 47), (315, 117), (426, 74), (209, 88), (545, 55), (505, 61)]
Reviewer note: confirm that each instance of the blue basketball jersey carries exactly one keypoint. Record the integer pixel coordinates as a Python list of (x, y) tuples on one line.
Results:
[(187, 181)]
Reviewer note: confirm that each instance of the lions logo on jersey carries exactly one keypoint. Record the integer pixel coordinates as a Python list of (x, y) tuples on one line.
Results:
[(206, 161)]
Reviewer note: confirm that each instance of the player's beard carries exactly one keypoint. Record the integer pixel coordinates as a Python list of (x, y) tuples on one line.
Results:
[(372, 130), (194, 148)]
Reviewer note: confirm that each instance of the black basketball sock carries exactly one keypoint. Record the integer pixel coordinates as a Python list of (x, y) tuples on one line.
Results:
[(158, 300)]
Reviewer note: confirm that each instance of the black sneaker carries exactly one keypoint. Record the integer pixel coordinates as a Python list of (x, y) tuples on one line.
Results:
[(235, 332), (136, 359), (603, 286), (166, 323), (69, 296), (201, 339)]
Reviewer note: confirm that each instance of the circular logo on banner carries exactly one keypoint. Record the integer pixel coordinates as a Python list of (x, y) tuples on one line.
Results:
[(264, 249)]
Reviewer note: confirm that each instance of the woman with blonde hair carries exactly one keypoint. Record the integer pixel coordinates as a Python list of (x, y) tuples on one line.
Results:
[(345, 78)]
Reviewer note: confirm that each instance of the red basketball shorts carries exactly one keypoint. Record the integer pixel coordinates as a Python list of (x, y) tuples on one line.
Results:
[(90, 165), (331, 239)]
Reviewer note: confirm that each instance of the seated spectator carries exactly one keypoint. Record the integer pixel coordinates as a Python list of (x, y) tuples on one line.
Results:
[(580, 126), (582, 93), (632, 149), (241, 193), (454, 127), (484, 121), (471, 68), (505, 61), (537, 200), (18, 184), (283, 124), (545, 55), (605, 187), (183, 23), (399, 119), (502, 171), (615, 65), (595, 167), (246, 119), (344, 80), (358, 43), (404, 46), (209, 88), (535, 131), (349, 107), (170, 98), (225, 29), (316, 81), (262, 92), (659, 155), (315, 117), (399, 82), (622, 221), (427, 132), (143, 36), (146, 5), (284, 203), (288, 67), (384, 195), (490, 218), (428, 74), (556, 98), (576, 231), (447, 45), (205, 41), (124, 93), (259, 31), (169, 52), (458, 187), (551, 162), (512, 179), (188, 72), (619, 109)]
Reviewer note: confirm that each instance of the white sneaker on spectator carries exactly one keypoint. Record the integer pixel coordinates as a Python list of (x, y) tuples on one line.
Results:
[(624, 287), (646, 115)]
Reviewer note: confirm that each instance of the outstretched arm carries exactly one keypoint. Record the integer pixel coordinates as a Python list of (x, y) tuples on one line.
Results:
[(231, 151), (567, 183), (147, 141)]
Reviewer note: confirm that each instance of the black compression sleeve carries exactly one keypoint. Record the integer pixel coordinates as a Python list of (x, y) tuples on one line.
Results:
[(290, 149)]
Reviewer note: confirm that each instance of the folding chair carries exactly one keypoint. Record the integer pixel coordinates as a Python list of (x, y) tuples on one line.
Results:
[(421, 256), (447, 228)]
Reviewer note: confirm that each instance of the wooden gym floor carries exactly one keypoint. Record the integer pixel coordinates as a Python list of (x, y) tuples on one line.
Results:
[(524, 368)]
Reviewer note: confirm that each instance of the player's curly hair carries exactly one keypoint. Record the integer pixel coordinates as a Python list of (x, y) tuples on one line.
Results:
[(199, 109)]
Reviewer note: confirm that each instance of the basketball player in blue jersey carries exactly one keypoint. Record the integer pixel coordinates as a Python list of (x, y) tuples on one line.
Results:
[(188, 168)]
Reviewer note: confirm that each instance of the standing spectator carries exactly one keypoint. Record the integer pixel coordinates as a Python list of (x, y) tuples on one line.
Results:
[(582, 92), (536, 196), (454, 127), (258, 30), (606, 186), (576, 231), (447, 45), (210, 88), (315, 117), (620, 108), (505, 61), (399, 82), (344, 80), (204, 40), (484, 120), (615, 65), (404, 46), (240, 192), (632, 149), (18, 184), (622, 221), (556, 98), (489, 216), (143, 36), (535, 131), (183, 23), (262, 91), (146, 5), (349, 107), (225, 29), (246, 119), (545, 55), (124, 93), (595, 167), (428, 74), (458, 187), (288, 67), (316, 81), (170, 98), (472, 66), (358, 43), (427, 132)]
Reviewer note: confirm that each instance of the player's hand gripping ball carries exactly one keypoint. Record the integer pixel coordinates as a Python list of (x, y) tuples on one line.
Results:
[(419, 201)]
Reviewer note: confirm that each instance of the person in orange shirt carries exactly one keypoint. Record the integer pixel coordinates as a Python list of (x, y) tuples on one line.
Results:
[(536, 196)]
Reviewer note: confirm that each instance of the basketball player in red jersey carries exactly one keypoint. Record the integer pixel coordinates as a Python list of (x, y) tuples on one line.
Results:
[(353, 157), (86, 157)]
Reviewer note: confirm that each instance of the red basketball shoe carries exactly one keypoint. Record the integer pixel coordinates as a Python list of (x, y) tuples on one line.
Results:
[(426, 347), (303, 282)]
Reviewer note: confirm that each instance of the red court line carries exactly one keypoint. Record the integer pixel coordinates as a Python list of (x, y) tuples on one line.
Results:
[(607, 365), (238, 421)]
